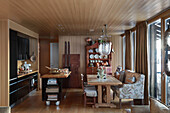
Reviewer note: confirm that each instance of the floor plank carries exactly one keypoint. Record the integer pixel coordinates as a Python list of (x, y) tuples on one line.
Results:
[(72, 103)]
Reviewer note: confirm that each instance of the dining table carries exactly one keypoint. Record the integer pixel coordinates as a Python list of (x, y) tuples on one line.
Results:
[(100, 82)]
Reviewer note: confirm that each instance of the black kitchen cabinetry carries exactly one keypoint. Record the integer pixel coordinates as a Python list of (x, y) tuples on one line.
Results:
[(20, 87), (23, 48), (13, 54), (19, 50)]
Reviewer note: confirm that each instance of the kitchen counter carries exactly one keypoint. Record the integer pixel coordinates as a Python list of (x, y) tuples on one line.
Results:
[(60, 75), (59, 78), (26, 73)]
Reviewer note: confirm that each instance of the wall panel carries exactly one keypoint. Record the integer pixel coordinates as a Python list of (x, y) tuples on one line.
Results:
[(4, 63), (117, 56)]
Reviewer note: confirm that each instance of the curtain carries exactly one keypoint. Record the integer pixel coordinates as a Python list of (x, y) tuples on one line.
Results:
[(141, 55), (128, 54)]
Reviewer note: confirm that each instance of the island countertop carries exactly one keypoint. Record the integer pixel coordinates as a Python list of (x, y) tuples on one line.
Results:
[(26, 73), (60, 75)]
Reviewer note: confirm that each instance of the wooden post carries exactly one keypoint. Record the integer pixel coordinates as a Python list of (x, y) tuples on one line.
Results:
[(99, 94)]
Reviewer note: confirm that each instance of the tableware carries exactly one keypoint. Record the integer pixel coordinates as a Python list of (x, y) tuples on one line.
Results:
[(91, 51), (101, 56), (97, 50), (96, 56), (91, 64), (105, 57), (91, 56)]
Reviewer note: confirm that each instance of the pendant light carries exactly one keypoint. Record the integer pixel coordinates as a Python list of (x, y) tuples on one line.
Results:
[(104, 44)]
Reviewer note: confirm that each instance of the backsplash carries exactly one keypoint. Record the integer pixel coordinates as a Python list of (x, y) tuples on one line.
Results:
[(33, 67)]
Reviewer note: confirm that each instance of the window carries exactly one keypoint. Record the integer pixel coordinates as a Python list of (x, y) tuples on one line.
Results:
[(133, 45), (124, 49), (167, 25), (154, 48)]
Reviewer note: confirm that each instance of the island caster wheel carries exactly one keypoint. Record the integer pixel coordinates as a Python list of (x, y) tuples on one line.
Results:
[(47, 103), (57, 103)]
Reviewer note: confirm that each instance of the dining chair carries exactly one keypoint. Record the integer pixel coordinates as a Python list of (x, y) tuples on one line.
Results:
[(88, 91)]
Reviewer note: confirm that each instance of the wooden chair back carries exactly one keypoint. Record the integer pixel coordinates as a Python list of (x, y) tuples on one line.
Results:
[(82, 81)]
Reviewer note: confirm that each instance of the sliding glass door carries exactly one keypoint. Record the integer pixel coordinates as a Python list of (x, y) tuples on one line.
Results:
[(133, 47), (167, 25), (124, 47), (154, 48)]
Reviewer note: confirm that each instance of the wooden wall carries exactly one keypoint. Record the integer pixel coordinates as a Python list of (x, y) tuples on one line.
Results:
[(4, 63), (117, 56), (77, 46), (44, 56), (44, 59)]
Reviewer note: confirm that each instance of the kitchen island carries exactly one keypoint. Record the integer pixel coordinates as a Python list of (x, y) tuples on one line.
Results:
[(53, 91)]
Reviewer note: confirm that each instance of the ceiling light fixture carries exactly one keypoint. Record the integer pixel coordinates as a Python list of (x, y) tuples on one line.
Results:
[(105, 46)]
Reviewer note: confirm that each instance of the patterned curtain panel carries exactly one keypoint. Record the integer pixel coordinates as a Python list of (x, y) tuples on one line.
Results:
[(128, 51), (141, 55)]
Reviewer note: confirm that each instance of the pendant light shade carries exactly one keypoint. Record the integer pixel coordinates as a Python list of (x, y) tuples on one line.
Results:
[(105, 45)]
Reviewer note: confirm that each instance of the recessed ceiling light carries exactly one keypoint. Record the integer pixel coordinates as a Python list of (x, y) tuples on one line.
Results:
[(91, 30), (59, 25)]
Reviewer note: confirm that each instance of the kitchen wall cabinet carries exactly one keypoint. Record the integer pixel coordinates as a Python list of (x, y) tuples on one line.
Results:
[(19, 50), (13, 54), (23, 48)]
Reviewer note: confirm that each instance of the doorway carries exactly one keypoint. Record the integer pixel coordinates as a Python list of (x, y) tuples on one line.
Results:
[(54, 55)]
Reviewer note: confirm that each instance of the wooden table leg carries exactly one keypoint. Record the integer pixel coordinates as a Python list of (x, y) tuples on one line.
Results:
[(108, 100), (108, 94), (99, 94)]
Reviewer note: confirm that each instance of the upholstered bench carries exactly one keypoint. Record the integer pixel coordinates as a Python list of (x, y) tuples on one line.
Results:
[(133, 85), (154, 107), (4, 109)]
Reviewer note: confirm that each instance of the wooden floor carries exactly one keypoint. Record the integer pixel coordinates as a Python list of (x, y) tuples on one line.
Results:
[(72, 103)]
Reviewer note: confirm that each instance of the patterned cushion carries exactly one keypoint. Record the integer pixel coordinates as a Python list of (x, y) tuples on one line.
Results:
[(158, 107), (90, 91), (130, 80), (130, 77)]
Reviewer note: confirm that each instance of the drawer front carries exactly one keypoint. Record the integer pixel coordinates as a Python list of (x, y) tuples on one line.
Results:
[(23, 82), (23, 91), (13, 97), (13, 86)]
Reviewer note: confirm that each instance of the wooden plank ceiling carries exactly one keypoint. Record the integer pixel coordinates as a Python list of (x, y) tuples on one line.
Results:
[(77, 17)]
